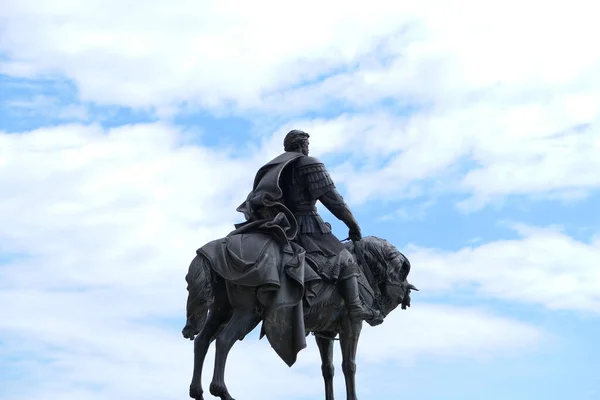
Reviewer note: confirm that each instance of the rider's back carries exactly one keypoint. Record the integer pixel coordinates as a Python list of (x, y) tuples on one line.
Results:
[(302, 183)]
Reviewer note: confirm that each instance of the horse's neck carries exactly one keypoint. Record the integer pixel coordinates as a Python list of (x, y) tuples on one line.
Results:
[(371, 270)]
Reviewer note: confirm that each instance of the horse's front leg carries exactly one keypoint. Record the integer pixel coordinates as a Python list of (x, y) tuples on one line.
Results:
[(241, 323), (326, 349), (349, 343)]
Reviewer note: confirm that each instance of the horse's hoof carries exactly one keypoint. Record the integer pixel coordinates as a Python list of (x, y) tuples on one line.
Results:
[(196, 393), (188, 332), (220, 391)]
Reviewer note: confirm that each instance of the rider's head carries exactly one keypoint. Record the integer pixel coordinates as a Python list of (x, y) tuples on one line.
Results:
[(296, 140)]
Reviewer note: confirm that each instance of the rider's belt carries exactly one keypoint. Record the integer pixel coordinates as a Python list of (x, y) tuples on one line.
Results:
[(304, 210)]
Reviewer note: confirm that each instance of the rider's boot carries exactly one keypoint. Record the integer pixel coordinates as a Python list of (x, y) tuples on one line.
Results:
[(356, 307)]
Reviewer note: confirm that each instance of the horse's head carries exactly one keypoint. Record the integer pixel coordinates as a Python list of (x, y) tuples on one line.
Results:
[(389, 271)]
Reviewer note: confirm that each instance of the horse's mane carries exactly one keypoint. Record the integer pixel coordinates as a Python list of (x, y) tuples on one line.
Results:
[(378, 253), (387, 266)]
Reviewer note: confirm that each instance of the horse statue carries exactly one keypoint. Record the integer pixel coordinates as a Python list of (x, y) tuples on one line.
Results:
[(234, 284)]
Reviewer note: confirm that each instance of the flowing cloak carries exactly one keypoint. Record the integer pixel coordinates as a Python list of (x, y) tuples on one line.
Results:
[(266, 198), (260, 253)]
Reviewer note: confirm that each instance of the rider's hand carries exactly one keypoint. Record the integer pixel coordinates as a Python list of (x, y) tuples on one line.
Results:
[(354, 234)]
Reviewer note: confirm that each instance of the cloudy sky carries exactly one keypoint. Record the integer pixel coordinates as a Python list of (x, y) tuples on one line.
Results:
[(467, 133)]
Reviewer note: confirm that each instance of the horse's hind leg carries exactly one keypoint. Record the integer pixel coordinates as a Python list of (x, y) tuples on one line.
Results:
[(326, 349), (241, 323), (220, 310), (349, 344)]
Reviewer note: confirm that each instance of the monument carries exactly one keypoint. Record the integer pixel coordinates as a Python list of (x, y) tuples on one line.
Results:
[(283, 266)]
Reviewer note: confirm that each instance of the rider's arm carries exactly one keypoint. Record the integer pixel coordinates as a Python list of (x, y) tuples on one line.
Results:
[(322, 188), (334, 202)]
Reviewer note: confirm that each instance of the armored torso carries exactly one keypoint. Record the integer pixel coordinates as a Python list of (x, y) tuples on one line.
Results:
[(302, 183)]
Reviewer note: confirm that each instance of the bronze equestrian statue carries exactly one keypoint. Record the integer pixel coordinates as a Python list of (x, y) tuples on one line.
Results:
[(284, 267)]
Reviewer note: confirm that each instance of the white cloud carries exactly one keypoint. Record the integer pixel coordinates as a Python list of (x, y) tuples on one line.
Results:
[(79, 187), (435, 331), (107, 222), (545, 267), (212, 51), (494, 83), (206, 51), (485, 151)]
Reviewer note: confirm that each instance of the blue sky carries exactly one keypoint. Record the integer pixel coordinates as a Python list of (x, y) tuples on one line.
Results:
[(126, 143)]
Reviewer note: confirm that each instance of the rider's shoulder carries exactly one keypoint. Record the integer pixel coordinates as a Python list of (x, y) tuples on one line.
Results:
[(306, 161)]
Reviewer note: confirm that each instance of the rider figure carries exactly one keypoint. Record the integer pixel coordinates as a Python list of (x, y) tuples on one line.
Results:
[(303, 183)]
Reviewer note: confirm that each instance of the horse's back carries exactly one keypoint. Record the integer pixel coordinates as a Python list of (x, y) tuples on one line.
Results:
[(246, 259)]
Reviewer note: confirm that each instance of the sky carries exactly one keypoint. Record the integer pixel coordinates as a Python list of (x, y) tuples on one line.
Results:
[(467, 133)]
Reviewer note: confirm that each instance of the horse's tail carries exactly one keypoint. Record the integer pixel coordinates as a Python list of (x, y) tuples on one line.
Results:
[(200, 296)]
